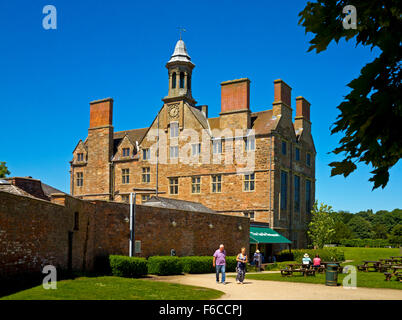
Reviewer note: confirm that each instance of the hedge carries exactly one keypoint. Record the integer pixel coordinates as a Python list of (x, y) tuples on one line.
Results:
[(326, 254), (278, 265), (376, 243), (131, 267), (195, 264), (164, 265), (203, 264)]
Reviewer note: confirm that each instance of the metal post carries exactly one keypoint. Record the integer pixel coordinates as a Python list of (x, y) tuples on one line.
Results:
[(131, 226), (157, 158), (133, 242)]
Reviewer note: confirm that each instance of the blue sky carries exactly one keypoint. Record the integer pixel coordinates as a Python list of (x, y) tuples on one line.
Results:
[(119, 49)]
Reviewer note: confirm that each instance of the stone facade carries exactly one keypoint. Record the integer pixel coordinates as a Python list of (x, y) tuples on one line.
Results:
[(113, 164)]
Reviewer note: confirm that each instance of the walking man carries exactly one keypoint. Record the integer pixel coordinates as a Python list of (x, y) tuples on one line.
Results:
[(219, 262)]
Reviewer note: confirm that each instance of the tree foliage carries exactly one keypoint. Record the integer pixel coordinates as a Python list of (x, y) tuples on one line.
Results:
[(396, 235), (371, 114), (361, 228), (322, 226), (3, 170)]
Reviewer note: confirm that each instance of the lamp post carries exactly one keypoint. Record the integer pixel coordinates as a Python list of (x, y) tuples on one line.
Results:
[(132, 223)]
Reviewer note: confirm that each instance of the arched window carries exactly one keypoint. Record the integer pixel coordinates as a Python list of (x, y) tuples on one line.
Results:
[(181, 79), (174, 80)]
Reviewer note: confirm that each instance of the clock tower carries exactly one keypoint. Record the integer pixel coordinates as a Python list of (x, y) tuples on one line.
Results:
[(180, 69)]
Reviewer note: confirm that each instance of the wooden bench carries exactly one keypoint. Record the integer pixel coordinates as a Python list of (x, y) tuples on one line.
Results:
[(309, 272), (362, 267)]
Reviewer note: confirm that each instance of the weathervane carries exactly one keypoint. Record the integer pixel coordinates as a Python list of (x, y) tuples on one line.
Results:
[(181, 29)]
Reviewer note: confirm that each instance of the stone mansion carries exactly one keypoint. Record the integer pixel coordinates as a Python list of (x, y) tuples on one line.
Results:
[(255, 164)]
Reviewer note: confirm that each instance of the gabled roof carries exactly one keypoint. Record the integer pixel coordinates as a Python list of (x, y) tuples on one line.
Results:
[(84, 144), (168, 203), (134, 134), (262, 122), (200, 116)]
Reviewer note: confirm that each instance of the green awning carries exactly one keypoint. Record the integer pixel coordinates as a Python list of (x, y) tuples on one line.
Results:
[(266, 235)]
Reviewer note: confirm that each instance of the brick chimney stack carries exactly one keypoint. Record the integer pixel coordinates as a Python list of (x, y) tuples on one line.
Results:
[(302, 119), (101, 113), (282, 99), (100, 148), (235, 104)]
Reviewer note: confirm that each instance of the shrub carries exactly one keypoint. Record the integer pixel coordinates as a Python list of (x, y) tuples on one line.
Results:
[(326, 254), (231, 264), (203, 264), (277, 265), (193, 264), (164, 265), (130, 267)]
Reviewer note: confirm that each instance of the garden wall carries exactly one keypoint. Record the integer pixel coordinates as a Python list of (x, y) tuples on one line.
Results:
[(71, 233)]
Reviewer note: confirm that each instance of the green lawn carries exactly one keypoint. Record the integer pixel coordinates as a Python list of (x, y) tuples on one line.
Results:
[(364, 279), (116, 288), (357, 255), (372, 254)]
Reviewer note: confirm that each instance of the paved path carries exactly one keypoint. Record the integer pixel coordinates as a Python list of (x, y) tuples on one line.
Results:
[(281, 290)]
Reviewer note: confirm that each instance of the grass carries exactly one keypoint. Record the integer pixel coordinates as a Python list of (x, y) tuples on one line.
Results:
[(364, 279), (357, 255), (116, 288)]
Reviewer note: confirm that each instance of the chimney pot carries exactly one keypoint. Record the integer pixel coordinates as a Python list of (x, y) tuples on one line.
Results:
[(302, 108), (101, 113), (282, 92), (235, 95)]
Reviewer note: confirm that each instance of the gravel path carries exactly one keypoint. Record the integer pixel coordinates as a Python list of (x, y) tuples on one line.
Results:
[(276, 290)]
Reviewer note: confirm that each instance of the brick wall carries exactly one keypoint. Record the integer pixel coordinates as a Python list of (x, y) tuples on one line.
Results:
[(34, 233)]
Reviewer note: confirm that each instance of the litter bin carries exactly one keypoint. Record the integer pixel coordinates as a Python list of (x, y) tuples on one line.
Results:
[(331, 275)]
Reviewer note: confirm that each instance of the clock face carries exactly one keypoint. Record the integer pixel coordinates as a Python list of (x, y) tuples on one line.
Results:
[(174, 111)]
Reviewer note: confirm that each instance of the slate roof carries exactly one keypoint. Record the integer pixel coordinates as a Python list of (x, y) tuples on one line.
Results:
[(134, 134), (6, 185), (262, 122), (161, 202)]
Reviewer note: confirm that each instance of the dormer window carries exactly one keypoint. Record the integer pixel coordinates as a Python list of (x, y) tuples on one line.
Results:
[(126, 152), (146, 155), (80, 157)]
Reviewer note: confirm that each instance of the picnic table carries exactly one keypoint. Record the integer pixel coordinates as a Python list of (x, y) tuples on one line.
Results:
[(297, 267), (395, 272), (369, 264)]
